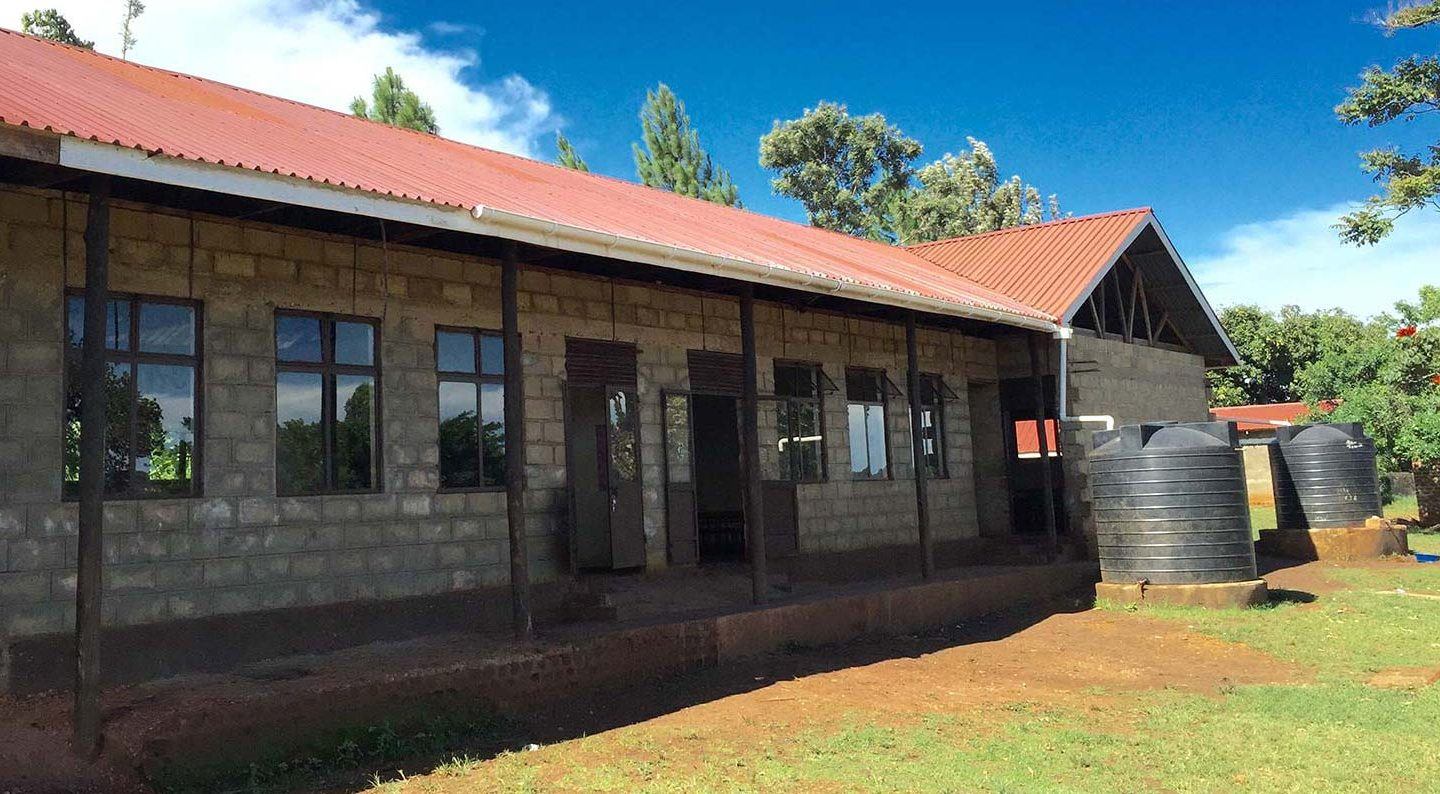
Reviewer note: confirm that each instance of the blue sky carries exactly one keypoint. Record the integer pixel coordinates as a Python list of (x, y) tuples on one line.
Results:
[(1218, 114)]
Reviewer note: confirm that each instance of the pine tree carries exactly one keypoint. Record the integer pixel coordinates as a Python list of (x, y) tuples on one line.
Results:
[(672, 157), (566, 154), (394, 104), (48, 23), (133, 9)]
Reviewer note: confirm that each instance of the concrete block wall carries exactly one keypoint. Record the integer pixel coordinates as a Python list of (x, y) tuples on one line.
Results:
[(240, 548), (1134, 383), (842, 513)]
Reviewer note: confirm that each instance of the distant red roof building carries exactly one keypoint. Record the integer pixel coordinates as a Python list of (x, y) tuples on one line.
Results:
[(1261, 418)]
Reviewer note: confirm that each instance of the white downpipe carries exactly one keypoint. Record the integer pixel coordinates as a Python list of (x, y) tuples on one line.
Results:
[(1063, 380)]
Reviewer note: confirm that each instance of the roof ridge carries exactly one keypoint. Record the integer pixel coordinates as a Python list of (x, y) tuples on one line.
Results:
[(1030, 226)]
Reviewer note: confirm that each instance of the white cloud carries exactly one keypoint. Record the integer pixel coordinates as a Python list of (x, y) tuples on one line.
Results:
[(323, 52), (1299, 259)]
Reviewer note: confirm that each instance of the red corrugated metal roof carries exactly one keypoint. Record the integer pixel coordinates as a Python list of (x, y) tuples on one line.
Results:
[(1264, 414), (1047, 266), (92, 96)]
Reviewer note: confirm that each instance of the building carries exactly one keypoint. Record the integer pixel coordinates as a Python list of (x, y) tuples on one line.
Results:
[(1256, 424), (315, 426)]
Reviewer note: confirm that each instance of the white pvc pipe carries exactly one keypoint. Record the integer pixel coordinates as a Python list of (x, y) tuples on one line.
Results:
[(1063, 380)]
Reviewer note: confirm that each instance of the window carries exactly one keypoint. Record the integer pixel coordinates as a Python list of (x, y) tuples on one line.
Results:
[(933, 393), (866, 390), (152, 380), (470, 366), (326, 404), (800, 388)]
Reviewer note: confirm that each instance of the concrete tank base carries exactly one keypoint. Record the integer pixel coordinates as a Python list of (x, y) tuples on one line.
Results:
[(1378, 538), (1220, 596)]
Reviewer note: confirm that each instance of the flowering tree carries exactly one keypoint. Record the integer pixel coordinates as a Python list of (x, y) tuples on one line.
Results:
[(1390, 383)]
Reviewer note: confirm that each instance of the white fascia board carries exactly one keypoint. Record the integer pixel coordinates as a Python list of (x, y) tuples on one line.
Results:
[(501, 223), (119, 161), (103, 158)]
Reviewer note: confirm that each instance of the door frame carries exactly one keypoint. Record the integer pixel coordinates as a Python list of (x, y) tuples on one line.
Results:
[(689, 396)]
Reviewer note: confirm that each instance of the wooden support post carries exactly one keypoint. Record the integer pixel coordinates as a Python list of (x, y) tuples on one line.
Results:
[(515, 442), (917, 447), (1042, 416), (750, 440), (88, 584)]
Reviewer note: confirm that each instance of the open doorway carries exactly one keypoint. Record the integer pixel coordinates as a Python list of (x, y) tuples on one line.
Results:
[(719, 498), (1024, 460)]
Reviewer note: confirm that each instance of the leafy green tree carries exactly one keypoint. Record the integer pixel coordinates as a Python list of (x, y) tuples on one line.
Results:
[(394, 104), (963, 194), (1275, 348), (846, 170), (566, 155), (355, 439), (1407, 91), (133, 9), (672, 158), (48, 23), (1389, 380)]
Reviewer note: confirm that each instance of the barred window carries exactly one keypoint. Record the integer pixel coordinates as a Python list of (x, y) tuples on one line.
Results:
[(152, 388), (470, 368), (327, 404), (801, 436), (933, 393)]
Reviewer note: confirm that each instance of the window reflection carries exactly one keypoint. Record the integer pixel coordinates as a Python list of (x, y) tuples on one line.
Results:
[(300, 437), (151, 386), (624, 461), (472, 408), (166, 431)]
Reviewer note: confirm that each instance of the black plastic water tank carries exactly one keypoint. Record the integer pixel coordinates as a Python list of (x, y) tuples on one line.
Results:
[(1324, 476), (1169, 504)]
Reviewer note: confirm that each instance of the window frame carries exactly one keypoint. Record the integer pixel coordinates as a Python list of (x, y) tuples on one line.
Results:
[(818, 379), (135, 357), (882, 383), (479, 378), (935, 382), (328, 370)]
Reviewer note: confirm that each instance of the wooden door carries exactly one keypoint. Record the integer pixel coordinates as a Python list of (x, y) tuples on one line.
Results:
[(587, 464)]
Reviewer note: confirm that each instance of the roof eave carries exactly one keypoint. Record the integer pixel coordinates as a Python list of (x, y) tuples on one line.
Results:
[(104, 158)]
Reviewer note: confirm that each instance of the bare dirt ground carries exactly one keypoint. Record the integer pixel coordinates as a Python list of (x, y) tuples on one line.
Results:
[(1060, 653)]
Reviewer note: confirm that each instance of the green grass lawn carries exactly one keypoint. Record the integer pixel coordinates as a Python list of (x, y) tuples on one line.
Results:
[(1329, 731), (1263, 516)]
